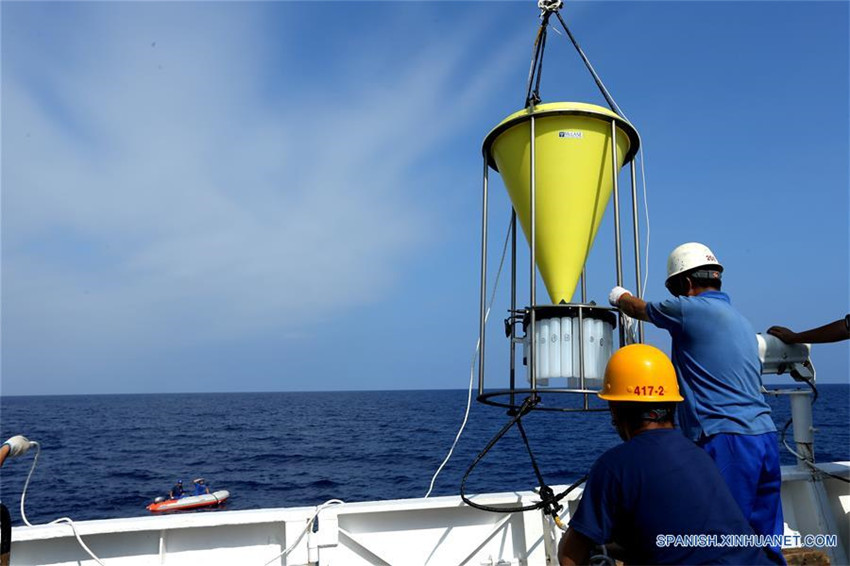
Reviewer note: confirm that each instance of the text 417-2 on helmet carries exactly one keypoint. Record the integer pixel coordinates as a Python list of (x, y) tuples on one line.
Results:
[(640, 373)]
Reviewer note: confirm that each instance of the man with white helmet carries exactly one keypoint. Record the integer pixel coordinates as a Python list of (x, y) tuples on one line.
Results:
[(715, 352), (657, 486)]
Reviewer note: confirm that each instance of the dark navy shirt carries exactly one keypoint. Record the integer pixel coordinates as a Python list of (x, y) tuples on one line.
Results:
[(660, 483), (715, 353)]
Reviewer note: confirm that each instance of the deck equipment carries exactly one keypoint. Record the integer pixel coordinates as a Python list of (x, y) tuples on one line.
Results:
[(560, 163)]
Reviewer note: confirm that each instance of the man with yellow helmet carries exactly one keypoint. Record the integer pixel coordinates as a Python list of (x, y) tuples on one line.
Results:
[(648, 494), (715, 353)]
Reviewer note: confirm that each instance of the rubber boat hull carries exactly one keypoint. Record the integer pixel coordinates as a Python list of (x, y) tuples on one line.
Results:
[(190, 502)]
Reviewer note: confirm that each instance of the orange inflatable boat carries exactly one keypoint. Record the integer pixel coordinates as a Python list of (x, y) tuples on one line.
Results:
[(189, 502)]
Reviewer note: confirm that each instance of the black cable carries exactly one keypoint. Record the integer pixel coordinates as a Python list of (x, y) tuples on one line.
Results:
[(533, 69), (530, 453), (533, 96), (611, 104), (549, 500), (824, 472)]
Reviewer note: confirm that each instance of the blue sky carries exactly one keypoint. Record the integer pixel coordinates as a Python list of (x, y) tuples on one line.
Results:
[(286, 196)]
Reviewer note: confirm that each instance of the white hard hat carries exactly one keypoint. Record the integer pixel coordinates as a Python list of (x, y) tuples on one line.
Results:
[(689, 256)]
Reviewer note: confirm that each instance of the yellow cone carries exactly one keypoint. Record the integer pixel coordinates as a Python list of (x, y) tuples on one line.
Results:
[(573, 180)]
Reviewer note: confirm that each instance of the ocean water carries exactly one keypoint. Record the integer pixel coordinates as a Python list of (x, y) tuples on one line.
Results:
[(106, 456)]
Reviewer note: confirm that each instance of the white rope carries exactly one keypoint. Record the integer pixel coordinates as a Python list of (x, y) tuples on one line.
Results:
[(472, 366), (79, 539), (319, 509), (66, 520), (27, 483)]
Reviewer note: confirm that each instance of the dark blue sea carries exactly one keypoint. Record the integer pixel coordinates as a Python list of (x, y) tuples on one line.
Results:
[(106, 456)]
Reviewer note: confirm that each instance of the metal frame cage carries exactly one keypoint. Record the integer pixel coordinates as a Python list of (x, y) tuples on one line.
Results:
[(513, 397)]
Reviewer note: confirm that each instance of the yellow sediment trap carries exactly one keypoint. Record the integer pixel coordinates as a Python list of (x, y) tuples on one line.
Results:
[(574, 177)]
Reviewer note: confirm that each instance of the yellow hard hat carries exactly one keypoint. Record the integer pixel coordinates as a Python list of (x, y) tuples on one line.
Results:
[(642, 374)]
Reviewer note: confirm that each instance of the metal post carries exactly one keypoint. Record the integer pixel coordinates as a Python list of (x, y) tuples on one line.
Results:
[(638, 283), (581, 334), (581, 347), (532, 357), (513, 305), (618, 251), (583, 285), (801, 414), (483, 305)]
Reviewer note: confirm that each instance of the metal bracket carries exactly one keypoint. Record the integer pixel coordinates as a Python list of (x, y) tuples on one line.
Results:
[(550, 5)]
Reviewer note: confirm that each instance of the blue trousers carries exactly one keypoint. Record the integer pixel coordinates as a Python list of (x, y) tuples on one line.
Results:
[(750, 466)]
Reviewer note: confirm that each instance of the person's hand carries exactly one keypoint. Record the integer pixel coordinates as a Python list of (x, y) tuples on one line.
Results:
[(616, 293), (18, 446), (785, 334)]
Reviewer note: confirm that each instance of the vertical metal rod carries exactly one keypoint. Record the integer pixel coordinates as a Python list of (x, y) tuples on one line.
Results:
[(581, 334), (584, 285), (513, 305), (581, 346), (532, 357), (483, 305), (636, 228), (618, 251)]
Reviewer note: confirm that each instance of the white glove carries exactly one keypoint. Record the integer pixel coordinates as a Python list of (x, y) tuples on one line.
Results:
[(616, 293), (18, 446)]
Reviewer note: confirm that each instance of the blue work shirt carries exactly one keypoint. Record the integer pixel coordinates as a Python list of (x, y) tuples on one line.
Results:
[(715, 353), (660, 483)]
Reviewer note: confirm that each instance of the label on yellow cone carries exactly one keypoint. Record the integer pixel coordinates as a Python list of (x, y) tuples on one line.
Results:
[(573, 180)]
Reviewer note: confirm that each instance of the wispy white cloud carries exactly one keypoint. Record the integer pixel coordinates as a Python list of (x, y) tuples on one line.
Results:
[(154, 196)]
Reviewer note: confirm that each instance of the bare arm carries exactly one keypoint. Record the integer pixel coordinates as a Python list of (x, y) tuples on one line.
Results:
[(633, 306), (16, 446), (574, 548), (832, 332)]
